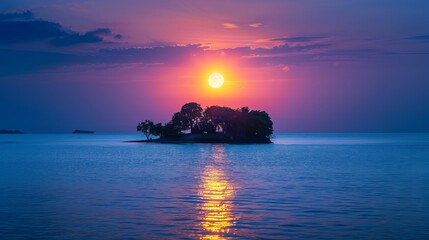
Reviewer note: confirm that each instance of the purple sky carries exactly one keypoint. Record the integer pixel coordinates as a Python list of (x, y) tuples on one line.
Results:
[(315, 66)]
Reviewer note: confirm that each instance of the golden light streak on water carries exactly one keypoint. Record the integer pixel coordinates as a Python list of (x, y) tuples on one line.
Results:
[(217, 194)]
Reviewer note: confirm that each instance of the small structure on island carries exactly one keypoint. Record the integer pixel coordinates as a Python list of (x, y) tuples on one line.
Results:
[(215, 124)]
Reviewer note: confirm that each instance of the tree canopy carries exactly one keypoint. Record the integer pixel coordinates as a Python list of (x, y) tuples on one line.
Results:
[(238, 124)]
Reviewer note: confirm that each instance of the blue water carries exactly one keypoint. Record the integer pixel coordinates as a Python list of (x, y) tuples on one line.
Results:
[(316, 186)]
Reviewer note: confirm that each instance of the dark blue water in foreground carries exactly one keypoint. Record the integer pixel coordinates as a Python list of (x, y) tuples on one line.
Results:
[(350, 186)]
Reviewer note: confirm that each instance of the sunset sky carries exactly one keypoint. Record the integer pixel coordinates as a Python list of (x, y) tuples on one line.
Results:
[(314, 66)]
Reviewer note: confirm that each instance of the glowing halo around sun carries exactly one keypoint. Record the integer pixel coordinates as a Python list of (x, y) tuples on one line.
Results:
[(216, 80)]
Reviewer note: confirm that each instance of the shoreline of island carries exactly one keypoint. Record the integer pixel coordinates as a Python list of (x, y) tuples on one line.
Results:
[(204, 138)]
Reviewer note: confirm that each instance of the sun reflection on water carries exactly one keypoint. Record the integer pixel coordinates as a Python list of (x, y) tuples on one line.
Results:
[(217, 194)]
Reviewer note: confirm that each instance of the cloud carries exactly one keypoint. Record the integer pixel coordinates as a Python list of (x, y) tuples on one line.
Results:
[(284, 67), (28, 31), (96, 36), (25, 28), (27, 15), (171, 55), (299, 39), (255, 25), (234, 25), (424, 38), (282, 50), (24, 61), (289, 51), (230, 25), (282, 57)]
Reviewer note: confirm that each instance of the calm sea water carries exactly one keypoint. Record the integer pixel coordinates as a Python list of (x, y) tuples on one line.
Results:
[(325, 186)]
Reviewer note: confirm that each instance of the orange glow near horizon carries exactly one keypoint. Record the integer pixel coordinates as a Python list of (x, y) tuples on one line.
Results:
[(243, 84), (229, 93)]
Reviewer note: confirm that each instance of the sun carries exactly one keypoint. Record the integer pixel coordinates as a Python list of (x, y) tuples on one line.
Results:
[(216, 80)]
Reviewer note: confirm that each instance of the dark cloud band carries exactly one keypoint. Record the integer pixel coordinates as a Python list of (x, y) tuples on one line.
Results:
[(25, 28)]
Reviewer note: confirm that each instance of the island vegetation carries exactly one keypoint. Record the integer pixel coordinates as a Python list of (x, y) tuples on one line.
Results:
[(215, 124), (5, 131), (82, 132)]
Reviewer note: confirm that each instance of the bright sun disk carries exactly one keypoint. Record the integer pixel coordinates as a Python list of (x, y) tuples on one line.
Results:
[(216, 80)]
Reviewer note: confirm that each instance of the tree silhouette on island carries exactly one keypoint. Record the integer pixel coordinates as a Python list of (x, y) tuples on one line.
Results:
[(215, 124)]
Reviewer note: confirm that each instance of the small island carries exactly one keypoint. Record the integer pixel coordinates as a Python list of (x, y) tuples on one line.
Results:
[(5, 131), (215, 124), (82, 132)]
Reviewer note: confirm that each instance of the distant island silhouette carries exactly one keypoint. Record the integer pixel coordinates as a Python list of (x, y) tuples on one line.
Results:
[(5, 131), (215, 124), (82, 132)]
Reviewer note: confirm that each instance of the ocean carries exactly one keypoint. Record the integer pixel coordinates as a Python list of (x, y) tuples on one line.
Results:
[(304, 186)]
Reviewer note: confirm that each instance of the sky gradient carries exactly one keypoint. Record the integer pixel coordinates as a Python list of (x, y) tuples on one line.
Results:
[(314, 66)]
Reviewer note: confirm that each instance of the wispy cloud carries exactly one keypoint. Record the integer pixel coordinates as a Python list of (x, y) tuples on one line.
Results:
[(255, 25), (96, 36), (424, 38), (179, 55), (284, 67), (230, 25), (298, 39)]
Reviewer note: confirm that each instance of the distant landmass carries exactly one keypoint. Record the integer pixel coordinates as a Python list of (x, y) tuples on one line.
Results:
[(4, 131), (215, 124), (83, 132)]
